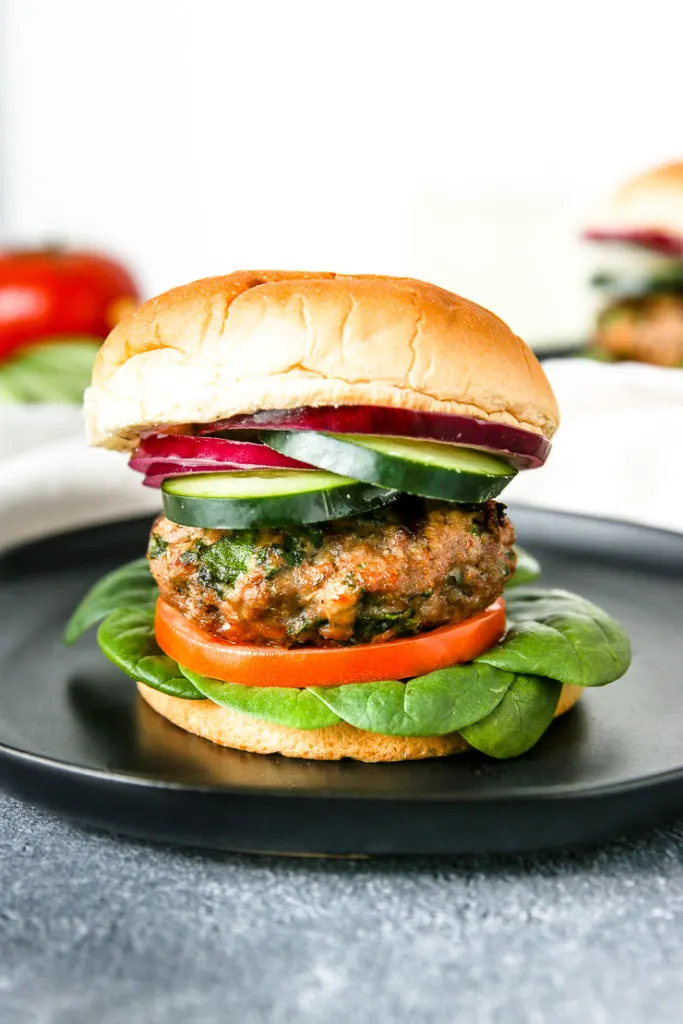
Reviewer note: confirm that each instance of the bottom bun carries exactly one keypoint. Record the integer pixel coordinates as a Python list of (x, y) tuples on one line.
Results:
[(232, 729)]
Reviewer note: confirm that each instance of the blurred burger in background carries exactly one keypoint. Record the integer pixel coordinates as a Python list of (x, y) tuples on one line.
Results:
[(640, 272), (56, 306)]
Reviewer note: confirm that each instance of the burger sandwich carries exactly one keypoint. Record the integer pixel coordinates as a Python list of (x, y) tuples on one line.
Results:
[(639, 279), (332, 575)]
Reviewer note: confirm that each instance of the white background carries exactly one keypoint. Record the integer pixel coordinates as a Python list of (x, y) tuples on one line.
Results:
[(461, 142)]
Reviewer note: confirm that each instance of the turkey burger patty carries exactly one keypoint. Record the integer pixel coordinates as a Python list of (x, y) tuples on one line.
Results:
[(413, 566)]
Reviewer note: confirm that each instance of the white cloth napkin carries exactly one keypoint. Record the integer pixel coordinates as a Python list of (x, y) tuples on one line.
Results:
[(618, 454), (51, 481)]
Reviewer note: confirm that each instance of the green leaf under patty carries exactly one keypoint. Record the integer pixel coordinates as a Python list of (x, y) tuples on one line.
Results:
[(562, 636), (431, 705), (299, 709), (131, 586), (528, 569), (518, 721), (127, 638)]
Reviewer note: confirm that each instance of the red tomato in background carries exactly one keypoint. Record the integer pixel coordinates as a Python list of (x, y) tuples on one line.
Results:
[(51, 292)]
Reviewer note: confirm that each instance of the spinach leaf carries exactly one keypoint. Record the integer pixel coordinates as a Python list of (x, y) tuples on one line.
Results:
[(299, 709), (128, 587), (430, 705), (518, 721), (562, 636), (53, 371), (528, 569), (127, 638), (10, 390), (504, 700)]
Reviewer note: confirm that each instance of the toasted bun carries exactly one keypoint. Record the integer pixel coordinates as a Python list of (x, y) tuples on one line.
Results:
[(231, 729), (257, 340), (652, 202)]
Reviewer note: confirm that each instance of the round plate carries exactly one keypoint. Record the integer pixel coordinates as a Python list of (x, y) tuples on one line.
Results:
[(75, 737), (560, 349)]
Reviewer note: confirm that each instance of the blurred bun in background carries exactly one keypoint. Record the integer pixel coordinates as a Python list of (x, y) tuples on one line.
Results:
[(639, 275), (646, 210), (449, 146)]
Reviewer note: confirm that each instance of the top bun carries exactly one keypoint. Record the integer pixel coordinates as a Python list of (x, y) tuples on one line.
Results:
[(652, 202), (257, 340)]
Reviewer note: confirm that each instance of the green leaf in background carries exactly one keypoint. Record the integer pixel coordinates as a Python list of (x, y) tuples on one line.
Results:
[(430, 705), (518, 721), (131, 586), (598, 355), (561, 635), (51, 371), (528, 569), (299, 709), (127, 638), (11, 391)]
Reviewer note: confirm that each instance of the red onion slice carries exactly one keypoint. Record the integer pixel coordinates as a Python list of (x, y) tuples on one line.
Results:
[(157, 472), (160, 456), (523, 448), (647, 238)]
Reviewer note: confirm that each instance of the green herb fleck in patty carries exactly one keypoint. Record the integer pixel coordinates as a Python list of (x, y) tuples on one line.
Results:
[(157, 545), (221, 563)]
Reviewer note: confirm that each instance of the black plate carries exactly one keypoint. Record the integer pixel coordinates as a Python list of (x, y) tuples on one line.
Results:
[(75, 737), (560, 350)]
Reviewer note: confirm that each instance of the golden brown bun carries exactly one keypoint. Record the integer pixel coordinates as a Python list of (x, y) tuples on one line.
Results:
[(257, 340), (231, 729), (651, 202)]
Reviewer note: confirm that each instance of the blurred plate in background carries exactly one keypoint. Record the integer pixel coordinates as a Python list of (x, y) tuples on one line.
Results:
[(617, 451)]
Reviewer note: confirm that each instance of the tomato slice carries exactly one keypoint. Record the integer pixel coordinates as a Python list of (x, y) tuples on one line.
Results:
[(252, 665)]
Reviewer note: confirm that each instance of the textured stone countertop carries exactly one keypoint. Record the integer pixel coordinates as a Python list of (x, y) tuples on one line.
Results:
[(102, 930)]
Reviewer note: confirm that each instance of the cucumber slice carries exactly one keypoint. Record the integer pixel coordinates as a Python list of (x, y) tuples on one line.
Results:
[(238, 500), (431, 469)]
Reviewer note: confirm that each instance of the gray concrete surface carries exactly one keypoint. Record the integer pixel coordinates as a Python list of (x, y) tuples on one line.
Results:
[(101, 930)]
